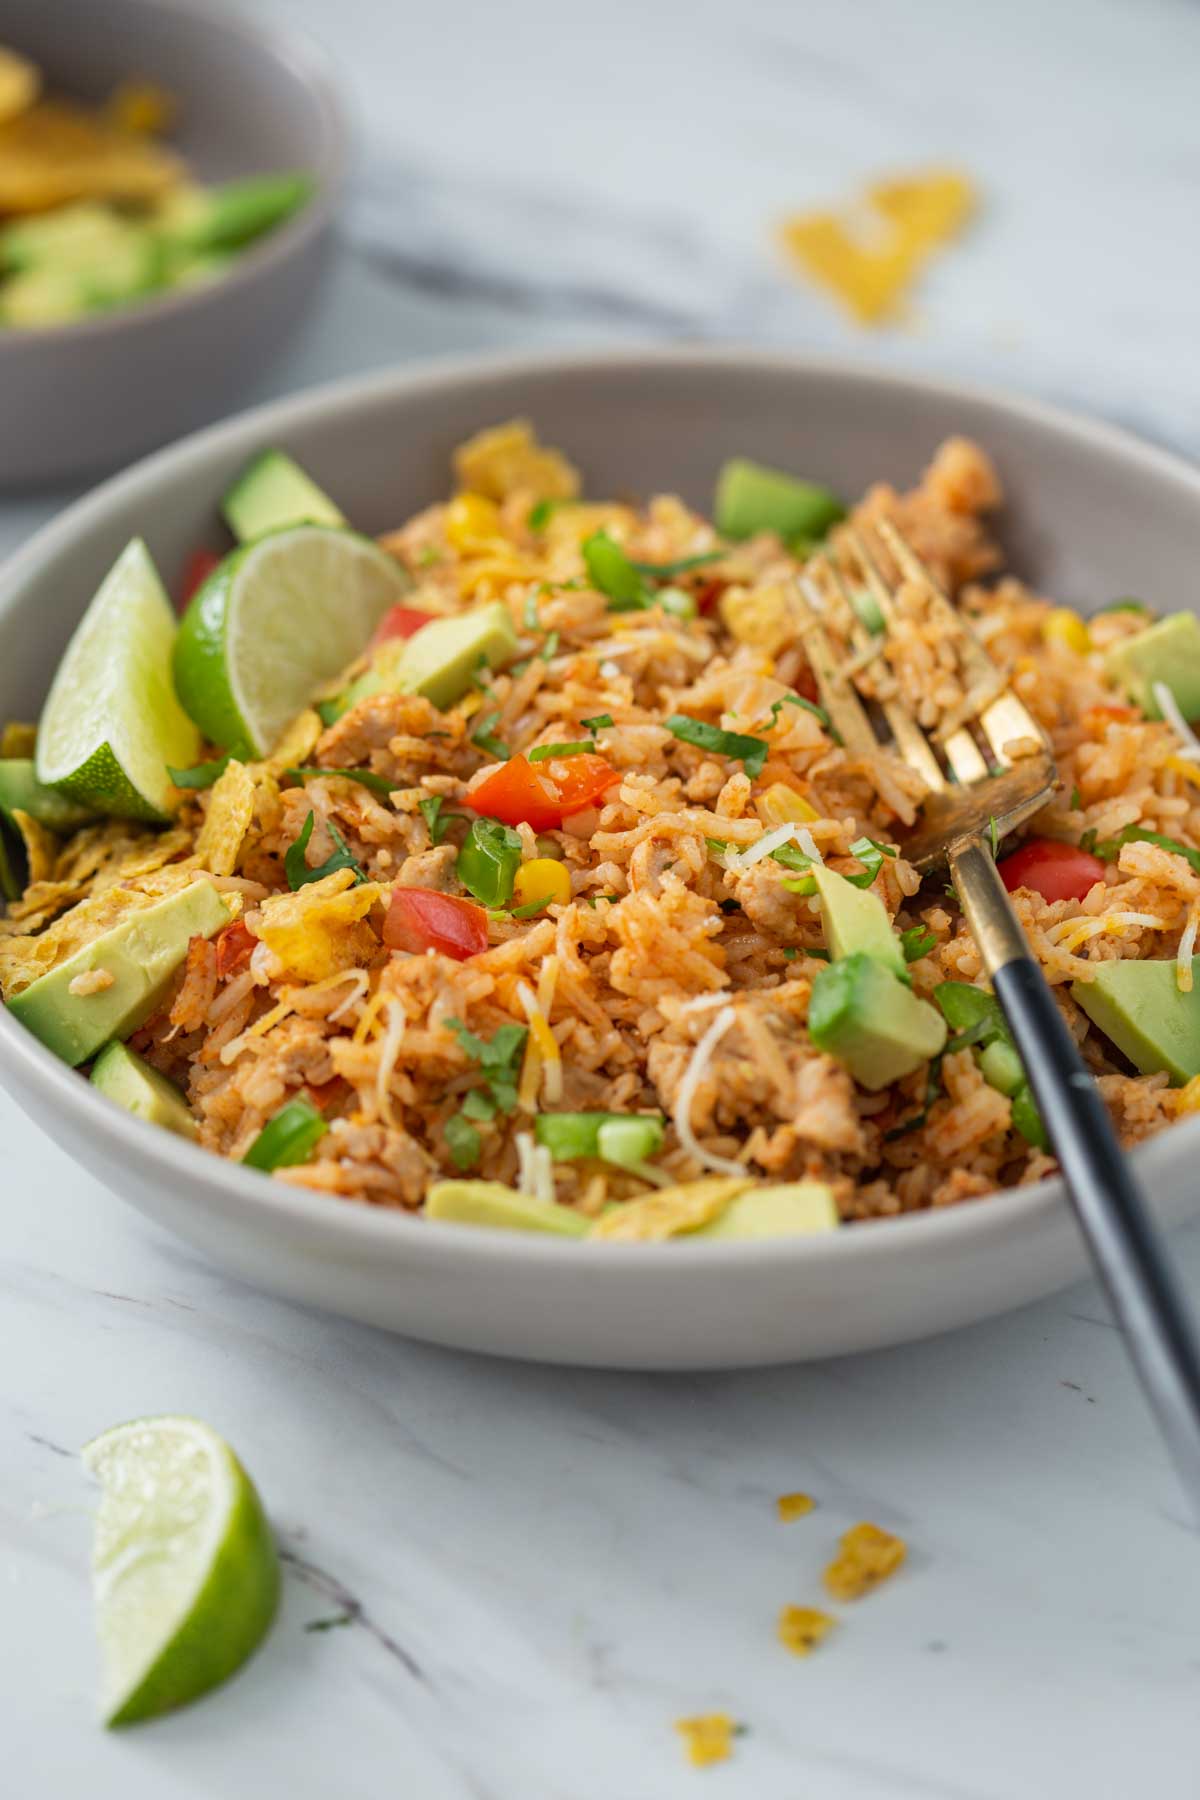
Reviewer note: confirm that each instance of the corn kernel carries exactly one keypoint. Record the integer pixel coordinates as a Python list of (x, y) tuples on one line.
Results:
[(542, 879), (1187, 1100), (802, 1628), (1062, 626), (782, 805), (472, 522)]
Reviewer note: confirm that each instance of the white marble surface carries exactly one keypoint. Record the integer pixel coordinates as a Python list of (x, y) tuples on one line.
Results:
[(553, 1566)]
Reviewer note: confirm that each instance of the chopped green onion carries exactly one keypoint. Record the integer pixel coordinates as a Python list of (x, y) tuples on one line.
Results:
[(296, 868), (540, 515), (751, 752), (1001, 1067), (531, 909), (546, 752), (1076, 800), (378, 784), (462, 1141), (488, 861), (438, 822), (818, 955), (1027, 1119), (622, 1138), (994, 834), (1126, 605), (870, 855), (751, 498), (976, 1017), (201, 775), (867, 610), (1108, 849), (792, 857), (530, 617), (599, 722), (678, 603), (809, 706), (549, 649), (611, 573), (665, 571), (330, 711), (289, 1137), (483, 738), (916, 942)]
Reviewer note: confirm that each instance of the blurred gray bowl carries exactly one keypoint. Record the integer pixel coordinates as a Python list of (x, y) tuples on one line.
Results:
[(86, 397)]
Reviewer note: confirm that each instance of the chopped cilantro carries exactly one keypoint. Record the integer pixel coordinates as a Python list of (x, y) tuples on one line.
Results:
[(612, 574), (378, 784), (1108, 849), (1076, 800), (200, 775), (533, 907), (330, 711), (751, 752), (486, 741), (439, 822), (916, 942), (870, 855), (809, 706), (600, 722), (498, 1058), (544, 752), (666, 571), (299, 874), (541, 514), (462, 1141)]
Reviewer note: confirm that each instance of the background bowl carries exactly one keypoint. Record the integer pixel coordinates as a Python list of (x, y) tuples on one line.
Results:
[(1092, 514), (89, 396)]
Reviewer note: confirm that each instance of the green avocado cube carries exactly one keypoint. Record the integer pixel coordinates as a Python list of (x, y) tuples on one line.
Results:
[(862, 1015), (856, 920), (1139, 1008), (441, 658), (503, 1208), (791, 1209), (130, 1081), (1167, 651), (141, 954)]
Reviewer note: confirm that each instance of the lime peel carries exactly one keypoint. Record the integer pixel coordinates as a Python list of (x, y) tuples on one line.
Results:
[(185, 1570)]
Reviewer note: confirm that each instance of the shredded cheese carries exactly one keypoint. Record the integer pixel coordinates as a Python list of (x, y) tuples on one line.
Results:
[(1068, 934), (389, 1050), (769, 842), (370, 1017), (547, 1046), (1168, 706), (688, 1087), (1179, 765), (1187, 949), (536, 1167), (360, 990), (808, 844)]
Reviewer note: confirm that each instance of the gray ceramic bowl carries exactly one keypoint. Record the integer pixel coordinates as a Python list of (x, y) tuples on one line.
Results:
[(1092, 514), (81, 398)]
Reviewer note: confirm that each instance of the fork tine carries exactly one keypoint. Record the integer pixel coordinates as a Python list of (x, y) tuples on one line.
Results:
[(838, 697)]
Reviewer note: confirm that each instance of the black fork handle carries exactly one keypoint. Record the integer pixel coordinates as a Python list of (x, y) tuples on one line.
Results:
[(1135, 1268)]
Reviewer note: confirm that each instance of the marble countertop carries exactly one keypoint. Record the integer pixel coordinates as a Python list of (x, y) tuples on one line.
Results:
[(541, 1569)]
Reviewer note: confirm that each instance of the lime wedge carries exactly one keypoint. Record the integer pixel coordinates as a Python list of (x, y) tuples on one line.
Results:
[(185, 1572), (112, 722), (272, 623)]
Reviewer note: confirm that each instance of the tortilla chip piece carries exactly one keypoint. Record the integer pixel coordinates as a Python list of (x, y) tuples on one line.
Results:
[(296, 744), (508, 459), (321, 929), (670, 1211), (41, 846), (228, 819), (20, 83), (151, 851), (23, 959), (18, 740), (56, 151)]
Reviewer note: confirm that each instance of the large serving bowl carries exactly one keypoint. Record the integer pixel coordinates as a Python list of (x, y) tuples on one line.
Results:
[(86, 397), (1092, 514)]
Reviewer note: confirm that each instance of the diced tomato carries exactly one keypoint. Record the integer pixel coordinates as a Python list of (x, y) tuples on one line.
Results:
[(196, 571), (1055, 871), (1108, 715), (518, 792), (234, 944), (399, 622), (420, 919)]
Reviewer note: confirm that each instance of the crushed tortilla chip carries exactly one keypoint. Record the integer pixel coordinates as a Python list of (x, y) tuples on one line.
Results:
[(296, 744), (868, 1556), (24, 959), (91, 981), (669, 1211), (869, 256), (57, 151), (18, 740), (508, 459), (802, 1628), (41, 846), (228, 819), (321, 929), (20, 83), (708, 1738), (794, 1506)]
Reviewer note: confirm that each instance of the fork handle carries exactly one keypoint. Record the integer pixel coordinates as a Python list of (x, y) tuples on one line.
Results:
[(1138, 1274)]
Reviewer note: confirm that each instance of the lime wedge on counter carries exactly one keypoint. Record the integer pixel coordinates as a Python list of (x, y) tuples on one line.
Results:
[(185, 1572), (112, 722), (278, 618)]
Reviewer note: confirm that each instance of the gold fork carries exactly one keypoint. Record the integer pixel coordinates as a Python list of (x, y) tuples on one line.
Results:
[(974, 800)]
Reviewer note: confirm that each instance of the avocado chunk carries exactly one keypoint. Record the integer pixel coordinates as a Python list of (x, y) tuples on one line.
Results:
[(440, 659), (856, 920), (751, 498), (1139, 1008), (226, 217), (272, 492), (67, 238), (862, 1015), (129, 1081), (21, 791), (1168, 651), (792, 1209), (141, 954), (491, 1203)]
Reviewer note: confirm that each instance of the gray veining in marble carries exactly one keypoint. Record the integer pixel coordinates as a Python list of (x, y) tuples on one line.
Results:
[(522, 1576)]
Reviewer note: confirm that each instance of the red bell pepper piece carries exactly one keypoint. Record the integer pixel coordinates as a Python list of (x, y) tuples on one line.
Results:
[(518, 792), (420, 919)]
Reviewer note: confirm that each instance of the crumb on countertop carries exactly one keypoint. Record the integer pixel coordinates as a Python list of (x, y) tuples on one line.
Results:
[(802, 1628), (794, 1506), (868, 1555), (708, 1738)]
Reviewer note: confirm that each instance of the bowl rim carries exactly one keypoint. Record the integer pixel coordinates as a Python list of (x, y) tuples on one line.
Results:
[(303, 57), (328, 1219)]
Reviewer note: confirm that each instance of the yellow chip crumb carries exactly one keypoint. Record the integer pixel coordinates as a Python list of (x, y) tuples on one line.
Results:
[(228, 819), (802, 1628), (708, 1738), (18, 739), (91, 981), (670, 1211), (507, 459), (869, 256), (794, 1506), (868, 1556)]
